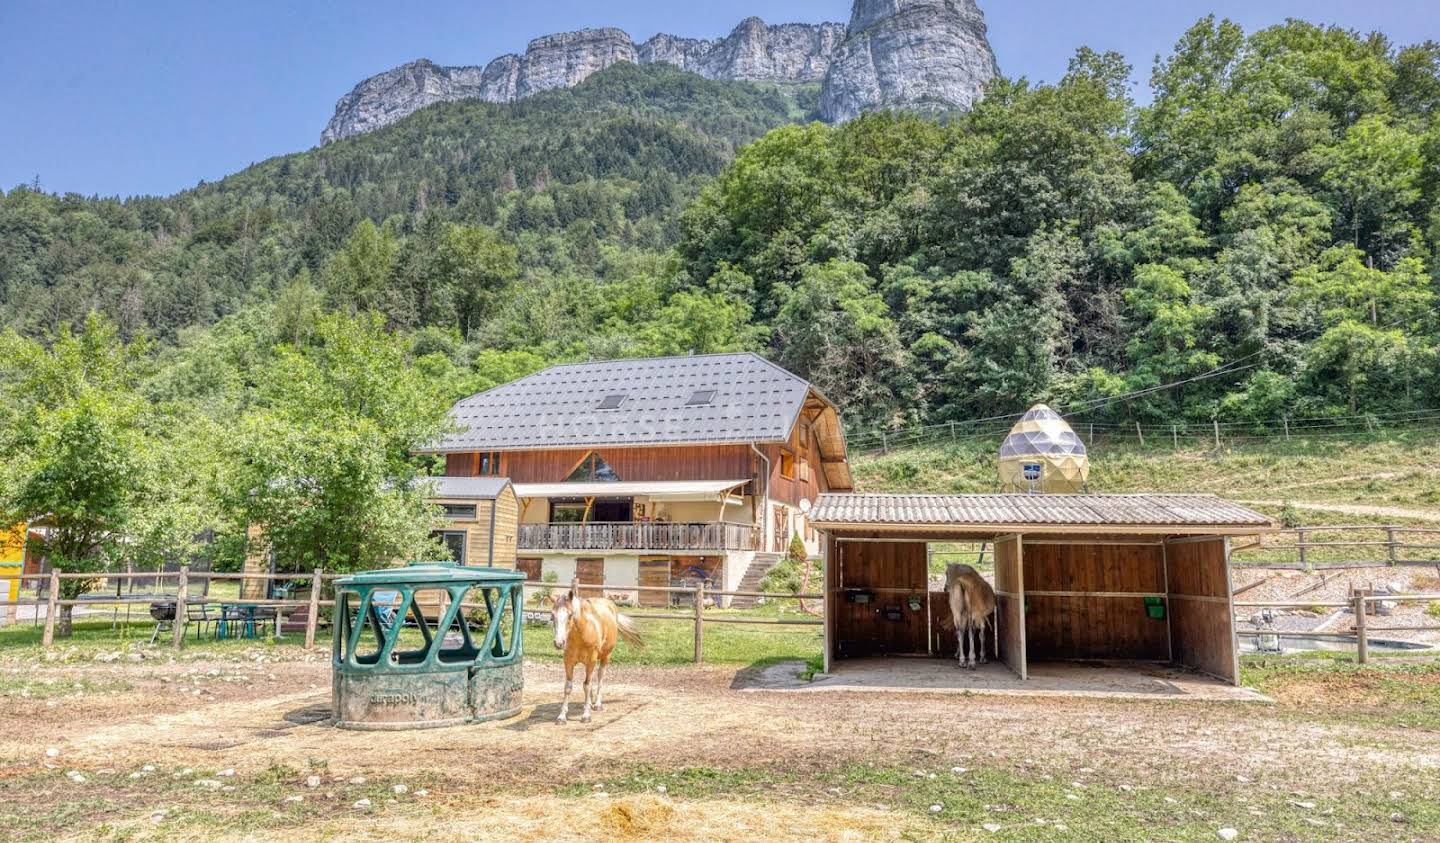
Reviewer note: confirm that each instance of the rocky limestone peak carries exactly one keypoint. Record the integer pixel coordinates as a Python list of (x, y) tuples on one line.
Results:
[(383, 99), (893, 54), (912, 54), (566, 59)]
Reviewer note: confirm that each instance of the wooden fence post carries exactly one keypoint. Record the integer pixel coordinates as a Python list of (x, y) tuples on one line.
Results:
[(51, 607), (1217, 432), (1362, 643), (1175, 437), (1140, 434), (952, 431), (884, 443), (699, 620), (1390, 543), (1300, 543), (313, 618), (1286, 419), (182, 598)]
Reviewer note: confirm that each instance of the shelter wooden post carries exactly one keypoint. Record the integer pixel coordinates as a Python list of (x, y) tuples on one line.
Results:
[(830, 564), (699, 621), (312, 618), (1010, 603), (51, 606), (181, 597)]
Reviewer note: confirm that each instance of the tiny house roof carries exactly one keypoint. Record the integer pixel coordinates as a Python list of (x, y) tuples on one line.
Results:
[(468, 488), (994, 514)]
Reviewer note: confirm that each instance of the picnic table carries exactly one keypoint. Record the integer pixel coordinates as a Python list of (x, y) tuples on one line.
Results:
[(245, 616)]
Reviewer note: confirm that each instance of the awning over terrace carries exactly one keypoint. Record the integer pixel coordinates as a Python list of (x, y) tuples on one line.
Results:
[(666, 490)]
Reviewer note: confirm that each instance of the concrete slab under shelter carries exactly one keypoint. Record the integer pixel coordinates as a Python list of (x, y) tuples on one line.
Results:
[(1107, 679)]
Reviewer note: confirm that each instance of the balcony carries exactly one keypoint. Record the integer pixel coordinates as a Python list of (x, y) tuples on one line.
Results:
[(639, 535)]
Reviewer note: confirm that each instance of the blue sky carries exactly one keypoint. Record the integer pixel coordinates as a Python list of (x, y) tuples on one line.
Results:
[(151, 96)]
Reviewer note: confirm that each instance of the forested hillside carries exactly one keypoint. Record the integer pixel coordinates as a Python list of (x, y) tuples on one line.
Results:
[(1265, 230), (462, 198), (1260, 239)]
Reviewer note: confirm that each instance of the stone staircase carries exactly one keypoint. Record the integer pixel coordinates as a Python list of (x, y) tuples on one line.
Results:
[(759, 567)]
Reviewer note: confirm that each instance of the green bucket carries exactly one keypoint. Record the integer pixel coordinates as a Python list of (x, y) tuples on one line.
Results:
[(1155, 608)]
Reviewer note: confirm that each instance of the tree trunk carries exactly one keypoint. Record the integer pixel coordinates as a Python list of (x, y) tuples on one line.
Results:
[(64, 622)]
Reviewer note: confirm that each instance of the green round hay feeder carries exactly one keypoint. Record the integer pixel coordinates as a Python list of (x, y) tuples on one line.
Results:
[(427, 645)]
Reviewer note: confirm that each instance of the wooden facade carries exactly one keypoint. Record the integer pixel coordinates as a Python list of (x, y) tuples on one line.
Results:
[(1201, 631), (1147, 598), (883, 603), (492, 534)]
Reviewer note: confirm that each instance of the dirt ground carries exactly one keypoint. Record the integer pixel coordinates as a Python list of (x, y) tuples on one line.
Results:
[(240, 748)]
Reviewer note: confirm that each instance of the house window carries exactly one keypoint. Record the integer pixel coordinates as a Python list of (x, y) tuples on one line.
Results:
[(787, 465), (454, 541), (593, 469), (487, 463), (567, 512), (459, 510)]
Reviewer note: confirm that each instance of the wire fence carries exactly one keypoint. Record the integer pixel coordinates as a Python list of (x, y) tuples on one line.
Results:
[(1177, 435)]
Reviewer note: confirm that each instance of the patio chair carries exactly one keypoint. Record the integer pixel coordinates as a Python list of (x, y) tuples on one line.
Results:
[(198, 614), (266, 616)]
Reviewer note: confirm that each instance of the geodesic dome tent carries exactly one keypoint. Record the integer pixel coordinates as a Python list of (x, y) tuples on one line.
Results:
[(1042, 454)]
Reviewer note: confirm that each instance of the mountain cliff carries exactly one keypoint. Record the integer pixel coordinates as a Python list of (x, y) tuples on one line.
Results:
[(893, 53), (753, 51), (912, 54)]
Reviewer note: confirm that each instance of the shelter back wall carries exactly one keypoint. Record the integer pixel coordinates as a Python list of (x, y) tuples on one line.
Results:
[(1093, 626)]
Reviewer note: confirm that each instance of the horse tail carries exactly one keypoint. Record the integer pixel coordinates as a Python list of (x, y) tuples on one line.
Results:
[(625, 625)]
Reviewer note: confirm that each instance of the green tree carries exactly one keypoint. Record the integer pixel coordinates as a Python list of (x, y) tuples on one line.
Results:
[(834, 330), (82, 460), (324, 463)]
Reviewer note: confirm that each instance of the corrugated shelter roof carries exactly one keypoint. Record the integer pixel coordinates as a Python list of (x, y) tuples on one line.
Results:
[(1050, 513), (479, 488), (658, 400)]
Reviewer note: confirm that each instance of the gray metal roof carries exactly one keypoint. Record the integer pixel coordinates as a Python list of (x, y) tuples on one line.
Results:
[(754, 401), (1045, 511), (480, 488)]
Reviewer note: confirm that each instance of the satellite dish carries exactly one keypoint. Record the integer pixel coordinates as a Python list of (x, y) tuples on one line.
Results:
[(805, 506)]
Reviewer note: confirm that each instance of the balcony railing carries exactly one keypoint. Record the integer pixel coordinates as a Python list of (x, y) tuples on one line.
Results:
[(638, 535)]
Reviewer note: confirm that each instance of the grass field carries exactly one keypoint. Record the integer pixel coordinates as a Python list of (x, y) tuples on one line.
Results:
[(228, 741), (1402, 470)]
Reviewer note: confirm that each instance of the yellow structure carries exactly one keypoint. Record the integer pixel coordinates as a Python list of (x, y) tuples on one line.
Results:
[(12, 565), (1042, 454)]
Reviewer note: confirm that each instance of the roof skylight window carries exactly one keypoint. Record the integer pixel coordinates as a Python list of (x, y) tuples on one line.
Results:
[(700, 396), (611, 402)]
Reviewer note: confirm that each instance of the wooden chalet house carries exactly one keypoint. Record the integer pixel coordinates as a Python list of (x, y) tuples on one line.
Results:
[(654, 471)]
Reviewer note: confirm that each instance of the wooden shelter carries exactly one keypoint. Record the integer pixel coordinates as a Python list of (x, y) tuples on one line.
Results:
[(1114, 577)]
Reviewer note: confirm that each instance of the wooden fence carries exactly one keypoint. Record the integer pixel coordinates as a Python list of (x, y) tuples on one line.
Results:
[(1342, 546), (1360, 631), (313, 603)]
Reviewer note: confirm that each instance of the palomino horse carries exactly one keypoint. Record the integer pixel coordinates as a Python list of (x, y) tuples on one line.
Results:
[(972, 602), (587, 629)]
